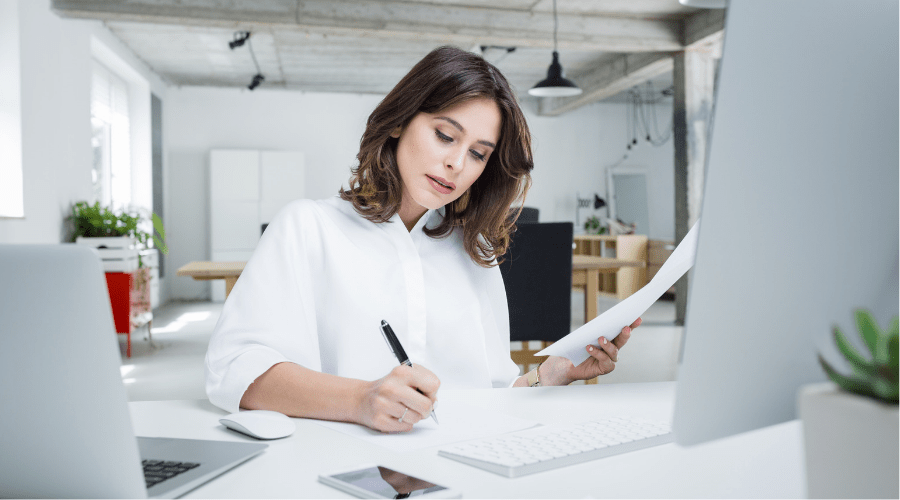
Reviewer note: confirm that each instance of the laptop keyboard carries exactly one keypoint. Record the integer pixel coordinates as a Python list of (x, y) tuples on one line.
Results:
[(157, 471)]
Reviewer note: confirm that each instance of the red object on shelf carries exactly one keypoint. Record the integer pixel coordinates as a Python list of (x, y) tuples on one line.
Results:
[(119, 285)]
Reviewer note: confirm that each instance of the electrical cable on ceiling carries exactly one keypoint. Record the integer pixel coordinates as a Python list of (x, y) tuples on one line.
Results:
[(641, 118), (238, 39)]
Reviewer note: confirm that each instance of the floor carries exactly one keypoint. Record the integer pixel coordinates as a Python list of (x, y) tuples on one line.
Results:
[(170, 366)]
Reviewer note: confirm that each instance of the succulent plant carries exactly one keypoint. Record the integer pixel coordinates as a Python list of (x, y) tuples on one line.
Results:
[(875, 378)]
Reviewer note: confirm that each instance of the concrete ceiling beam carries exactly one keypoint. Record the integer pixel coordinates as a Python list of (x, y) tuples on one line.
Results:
[(618, 75), (701, 31), (460, 25)]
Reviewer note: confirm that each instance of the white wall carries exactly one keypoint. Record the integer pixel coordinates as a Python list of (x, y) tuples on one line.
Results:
[(571, 153), (11, 187), (55, 67), (326, 128)]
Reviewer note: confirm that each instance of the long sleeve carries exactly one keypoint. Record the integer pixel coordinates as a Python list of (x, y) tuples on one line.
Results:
[(269, 316), (322, 279), (504, 371)]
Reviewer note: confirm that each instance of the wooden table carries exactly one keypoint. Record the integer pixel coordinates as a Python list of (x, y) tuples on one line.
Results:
[(206, 270), (586, 271)]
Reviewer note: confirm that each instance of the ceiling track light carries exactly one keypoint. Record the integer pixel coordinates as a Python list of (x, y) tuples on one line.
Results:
[(238, 40), (257, 79), (506, 51), (555, 85)]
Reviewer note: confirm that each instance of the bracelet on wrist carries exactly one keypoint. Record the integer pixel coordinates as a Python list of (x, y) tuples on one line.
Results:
[(534, 377)]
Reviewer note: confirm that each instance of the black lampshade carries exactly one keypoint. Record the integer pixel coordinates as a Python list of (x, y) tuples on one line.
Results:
[(555, 85)]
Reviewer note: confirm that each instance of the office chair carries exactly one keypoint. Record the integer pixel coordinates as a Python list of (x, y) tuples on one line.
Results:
[(528, 215), (537, 274)]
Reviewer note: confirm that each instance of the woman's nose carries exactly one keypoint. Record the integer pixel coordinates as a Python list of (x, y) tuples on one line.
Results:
[(455, 158)]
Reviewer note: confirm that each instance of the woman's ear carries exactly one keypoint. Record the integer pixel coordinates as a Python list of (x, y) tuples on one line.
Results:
[(396, 132)]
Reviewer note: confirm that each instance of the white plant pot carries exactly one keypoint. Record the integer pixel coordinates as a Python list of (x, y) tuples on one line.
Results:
[(851, 444), (118, 253)]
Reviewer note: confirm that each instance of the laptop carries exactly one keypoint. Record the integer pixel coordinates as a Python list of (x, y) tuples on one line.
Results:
[(65, 429)]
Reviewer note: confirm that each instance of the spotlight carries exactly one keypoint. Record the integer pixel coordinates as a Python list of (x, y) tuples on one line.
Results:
[(257, 79), (239, 38)]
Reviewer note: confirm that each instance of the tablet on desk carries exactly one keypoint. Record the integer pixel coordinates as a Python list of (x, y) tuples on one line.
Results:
[(375, 481)]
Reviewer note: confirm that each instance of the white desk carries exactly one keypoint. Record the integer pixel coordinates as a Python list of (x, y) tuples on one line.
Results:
[(759, 464)]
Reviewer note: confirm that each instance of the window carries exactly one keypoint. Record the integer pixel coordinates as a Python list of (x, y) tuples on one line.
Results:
[(12, 190), (110, 139)]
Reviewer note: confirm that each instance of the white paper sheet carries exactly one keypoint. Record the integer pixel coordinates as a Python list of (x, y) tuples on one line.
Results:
[(611, 322), (459, 422)]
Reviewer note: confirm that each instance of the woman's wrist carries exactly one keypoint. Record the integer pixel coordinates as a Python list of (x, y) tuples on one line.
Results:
[(555, 371), (360, 401)]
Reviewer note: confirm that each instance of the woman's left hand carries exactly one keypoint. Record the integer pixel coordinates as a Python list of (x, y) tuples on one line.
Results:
[(561, 371)]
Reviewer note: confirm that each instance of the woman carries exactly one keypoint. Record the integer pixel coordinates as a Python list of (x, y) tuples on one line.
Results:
[(412, 241)]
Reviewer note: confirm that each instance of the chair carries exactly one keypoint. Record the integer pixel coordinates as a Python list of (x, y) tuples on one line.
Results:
[(630, 279), (528, 215), (537, 274)]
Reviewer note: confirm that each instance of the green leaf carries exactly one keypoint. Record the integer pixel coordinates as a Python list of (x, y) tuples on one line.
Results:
[(158, 225), (886, 391), (162, 246), (892, 353), (860, 365), (851, 384), (870, 332)]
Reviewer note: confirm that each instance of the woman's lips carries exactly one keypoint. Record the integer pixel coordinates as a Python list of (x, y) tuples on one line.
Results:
[(441, 185)]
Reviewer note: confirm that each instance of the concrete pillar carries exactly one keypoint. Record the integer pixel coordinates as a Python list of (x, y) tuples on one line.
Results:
[(694, 74)]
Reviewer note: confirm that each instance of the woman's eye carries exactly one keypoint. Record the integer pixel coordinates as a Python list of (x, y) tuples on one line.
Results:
[(443, 137), (478, 156)]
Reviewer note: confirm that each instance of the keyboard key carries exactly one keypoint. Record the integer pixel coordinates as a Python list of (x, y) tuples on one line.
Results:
[(157, 471)]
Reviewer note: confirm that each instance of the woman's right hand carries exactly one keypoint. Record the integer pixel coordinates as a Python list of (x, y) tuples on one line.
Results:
[(394, 402)]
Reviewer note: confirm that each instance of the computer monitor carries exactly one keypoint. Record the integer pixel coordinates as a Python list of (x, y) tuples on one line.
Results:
[(799, 220)]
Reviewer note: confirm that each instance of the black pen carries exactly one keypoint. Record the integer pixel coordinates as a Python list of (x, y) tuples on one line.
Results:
[(394, 343)]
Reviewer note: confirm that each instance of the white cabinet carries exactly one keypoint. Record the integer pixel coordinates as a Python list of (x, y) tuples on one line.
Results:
[(247, 188)]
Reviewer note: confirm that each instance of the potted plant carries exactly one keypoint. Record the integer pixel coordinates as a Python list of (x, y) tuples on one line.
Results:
[(119, 236), (592, 226), (850, 425)]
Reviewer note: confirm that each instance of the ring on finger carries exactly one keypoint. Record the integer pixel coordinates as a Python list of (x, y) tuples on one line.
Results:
[(401, 416)]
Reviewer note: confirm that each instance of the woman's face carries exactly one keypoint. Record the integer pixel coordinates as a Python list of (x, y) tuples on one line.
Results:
[(441, 155)]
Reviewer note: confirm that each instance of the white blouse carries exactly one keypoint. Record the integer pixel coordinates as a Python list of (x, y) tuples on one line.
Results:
[(321, 280)]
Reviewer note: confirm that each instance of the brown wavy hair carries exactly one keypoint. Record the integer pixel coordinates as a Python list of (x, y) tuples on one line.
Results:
[(446, 77)]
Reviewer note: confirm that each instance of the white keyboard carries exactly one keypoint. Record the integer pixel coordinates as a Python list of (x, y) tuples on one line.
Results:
[(549, 447)]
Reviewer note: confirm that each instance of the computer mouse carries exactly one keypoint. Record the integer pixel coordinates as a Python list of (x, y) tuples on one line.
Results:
[(260, 424)]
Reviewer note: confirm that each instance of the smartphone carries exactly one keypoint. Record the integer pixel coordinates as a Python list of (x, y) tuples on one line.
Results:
[(375, 481)]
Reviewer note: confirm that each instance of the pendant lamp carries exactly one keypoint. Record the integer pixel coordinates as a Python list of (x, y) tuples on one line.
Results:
[(555, 85)]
